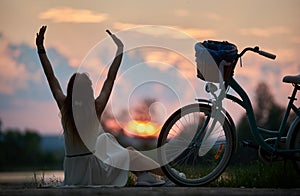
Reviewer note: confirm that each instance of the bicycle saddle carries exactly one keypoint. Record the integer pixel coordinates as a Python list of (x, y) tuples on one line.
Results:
[(292, 79)]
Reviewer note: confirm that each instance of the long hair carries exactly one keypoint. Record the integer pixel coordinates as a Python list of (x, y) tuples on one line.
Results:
[(78, 107)]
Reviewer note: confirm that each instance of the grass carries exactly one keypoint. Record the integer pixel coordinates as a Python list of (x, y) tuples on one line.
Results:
[(259, 175), (253, 175), (42, 181)]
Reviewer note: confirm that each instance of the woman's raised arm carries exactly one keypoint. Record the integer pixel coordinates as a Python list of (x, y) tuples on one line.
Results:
[(105, 92), (52, 80)]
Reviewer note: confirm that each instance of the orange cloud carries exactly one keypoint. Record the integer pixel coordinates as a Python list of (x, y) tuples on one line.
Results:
[(167, 59), (264, 32), (198, 33), (151, 30), (123, 26), (67, 14), (256, 69)]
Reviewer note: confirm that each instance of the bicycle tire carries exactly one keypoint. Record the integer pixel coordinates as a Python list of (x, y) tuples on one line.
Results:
[(189, 168), (294, 143)]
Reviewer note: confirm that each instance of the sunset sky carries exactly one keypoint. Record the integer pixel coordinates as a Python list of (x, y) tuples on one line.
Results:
[(76, 41)]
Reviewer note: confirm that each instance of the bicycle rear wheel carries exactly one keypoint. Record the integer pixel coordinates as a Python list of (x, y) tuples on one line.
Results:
[(195, 147), (294, 143)]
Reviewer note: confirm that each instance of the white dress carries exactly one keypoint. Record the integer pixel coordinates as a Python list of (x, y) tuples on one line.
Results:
[(108, 165)]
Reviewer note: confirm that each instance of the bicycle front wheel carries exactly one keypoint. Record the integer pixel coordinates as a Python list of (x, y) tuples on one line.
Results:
[(194, 146)]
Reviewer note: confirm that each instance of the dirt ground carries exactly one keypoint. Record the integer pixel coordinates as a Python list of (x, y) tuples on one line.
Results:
[(21, 190)]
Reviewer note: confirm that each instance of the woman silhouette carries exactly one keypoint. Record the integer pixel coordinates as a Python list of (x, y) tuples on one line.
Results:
[(80, 113)]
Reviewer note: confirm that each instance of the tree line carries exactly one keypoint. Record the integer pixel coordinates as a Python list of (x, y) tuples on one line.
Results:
[(21, 151)]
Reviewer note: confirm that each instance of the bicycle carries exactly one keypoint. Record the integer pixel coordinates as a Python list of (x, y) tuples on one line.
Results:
[(197, 141)]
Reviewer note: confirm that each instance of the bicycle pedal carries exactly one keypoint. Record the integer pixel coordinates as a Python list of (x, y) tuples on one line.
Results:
[(250, 144)]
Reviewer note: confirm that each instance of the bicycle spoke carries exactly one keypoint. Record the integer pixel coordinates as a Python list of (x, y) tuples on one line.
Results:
[(185, 135)]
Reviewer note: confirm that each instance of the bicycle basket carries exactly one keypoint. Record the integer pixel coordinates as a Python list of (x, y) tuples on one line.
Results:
[(215, 60)]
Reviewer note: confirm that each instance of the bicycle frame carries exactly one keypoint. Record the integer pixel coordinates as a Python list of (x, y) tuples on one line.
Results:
[(257, 131)]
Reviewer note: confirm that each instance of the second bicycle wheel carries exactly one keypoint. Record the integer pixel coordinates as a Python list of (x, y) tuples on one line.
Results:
[(294, 143), (194, 145)]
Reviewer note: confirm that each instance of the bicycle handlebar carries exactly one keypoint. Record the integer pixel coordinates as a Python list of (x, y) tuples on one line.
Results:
[(267, 54), (256, 50)]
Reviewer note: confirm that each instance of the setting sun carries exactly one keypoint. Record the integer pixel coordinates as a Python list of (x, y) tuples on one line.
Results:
[(142, 129)]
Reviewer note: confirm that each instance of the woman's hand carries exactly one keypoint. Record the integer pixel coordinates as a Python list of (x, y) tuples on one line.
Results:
[(102, 99), (52, 80), (117, 41), (40, 37)]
